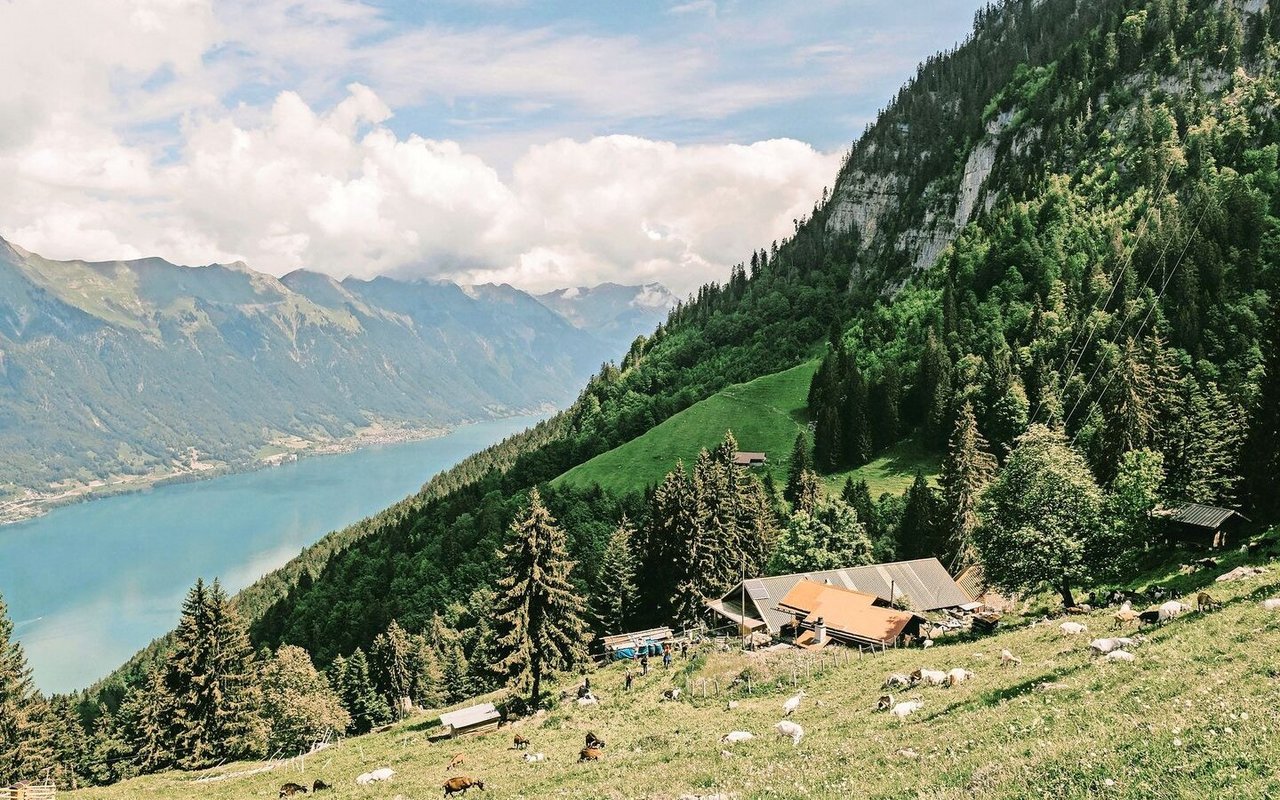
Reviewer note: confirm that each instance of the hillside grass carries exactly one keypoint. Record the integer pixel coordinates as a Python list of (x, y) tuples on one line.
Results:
[(765, 414), (1197, 715)]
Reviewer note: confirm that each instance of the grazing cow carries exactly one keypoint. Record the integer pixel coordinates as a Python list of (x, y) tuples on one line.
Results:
[(520, 742), (594, 742), (290, 789), (461, 784), (589, 754), (319, 785)]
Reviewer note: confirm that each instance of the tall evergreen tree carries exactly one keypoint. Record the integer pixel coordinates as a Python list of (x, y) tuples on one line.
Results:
[(148, 710), (22, 711), (797, 465), (366, 707), (1261, 460), (967, 469), (389, 658), (615, 592), (920, 529), (540, 609)]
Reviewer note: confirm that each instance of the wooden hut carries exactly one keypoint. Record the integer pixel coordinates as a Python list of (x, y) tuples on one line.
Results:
[(1198, 524), (475, 719)]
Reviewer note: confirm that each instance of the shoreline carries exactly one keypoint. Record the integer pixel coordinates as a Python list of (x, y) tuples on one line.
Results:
[(35, 504)]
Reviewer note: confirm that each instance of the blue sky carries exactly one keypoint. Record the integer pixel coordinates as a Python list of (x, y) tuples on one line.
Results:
[(537, 143)]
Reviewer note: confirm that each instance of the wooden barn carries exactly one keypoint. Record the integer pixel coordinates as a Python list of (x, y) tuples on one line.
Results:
[(743, 458), (1197, 524), (823, 614), (475, 719)]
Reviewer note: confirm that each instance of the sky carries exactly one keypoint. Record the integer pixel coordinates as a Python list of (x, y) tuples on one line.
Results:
[(542, 144)]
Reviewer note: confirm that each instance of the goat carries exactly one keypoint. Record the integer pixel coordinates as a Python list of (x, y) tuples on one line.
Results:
[(594, 742), (906, 708), (897, 680), (731, 705), (672, 694), (884, 703), (958, 675), (790, 730), (1073, 628), (1205, 602), (589, 754), (532, 757), (1120, 655), (461, 784), (589, 700), (1172, 609), (520, 742), (926, 644), (318, 786), (793, 702), (930, 677), (290, 789), (1123, 617), (735, 737), (1100, 647), (1271, 604), (378, 775), (1009, 659), (1149, 617), (455, 762)]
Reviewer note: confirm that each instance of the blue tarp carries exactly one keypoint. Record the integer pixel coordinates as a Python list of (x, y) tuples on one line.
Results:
[(648, 648)]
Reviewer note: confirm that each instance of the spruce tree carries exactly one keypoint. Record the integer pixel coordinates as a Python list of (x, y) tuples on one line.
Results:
[(367, 708), (615, 591), (540, 609), (1261, 458), (148, 710), (389, 661), (798, 464), (918, 530), (68, 742), (22, 711), (968, 468)]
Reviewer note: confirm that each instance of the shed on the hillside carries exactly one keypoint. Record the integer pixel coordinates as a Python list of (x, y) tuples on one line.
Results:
[(743, 458), (475, 719), (923, 584), (1197, 524)]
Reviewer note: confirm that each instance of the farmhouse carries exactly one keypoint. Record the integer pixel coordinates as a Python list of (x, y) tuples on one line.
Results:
[(475, 719), (922, 585), (1196, 524), (745, 459), (823, 614)]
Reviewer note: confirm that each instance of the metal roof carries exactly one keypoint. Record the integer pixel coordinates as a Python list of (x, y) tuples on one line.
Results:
[(924, 581), (466, 717), (1201, 516), (636, 638)]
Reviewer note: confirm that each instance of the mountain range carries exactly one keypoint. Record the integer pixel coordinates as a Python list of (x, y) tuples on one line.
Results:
[(129, 368)]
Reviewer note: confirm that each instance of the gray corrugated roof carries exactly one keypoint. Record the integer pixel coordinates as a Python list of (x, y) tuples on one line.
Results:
[(925, 582), (1202, 516), (466, 717)]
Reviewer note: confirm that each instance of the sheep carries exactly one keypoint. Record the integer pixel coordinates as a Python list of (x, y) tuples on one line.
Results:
[(884, 703), (1123, 617), (736, 737), (930, 677), (1120, 655), (378, 775), (532, 757), (958, 675), (926, 644), (461, 784), (589, 754), (793, 702), (1073, 628), (594, 742), (906, 708), (672, 694), (790, 730), (455, 762), (897, 680), (1205, 602), (318, 786), (1009, 659), (290, 789), (520, 742), (1271, 604)]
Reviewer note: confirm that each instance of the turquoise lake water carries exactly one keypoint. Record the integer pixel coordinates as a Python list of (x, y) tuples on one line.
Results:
[(88, 585)]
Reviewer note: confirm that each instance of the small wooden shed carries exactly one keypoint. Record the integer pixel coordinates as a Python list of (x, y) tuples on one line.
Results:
[(475, 719), (744, 458), (1198, 524)]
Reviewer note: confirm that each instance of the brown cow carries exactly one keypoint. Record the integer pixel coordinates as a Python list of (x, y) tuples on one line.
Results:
[(590, 754), (461, 784)]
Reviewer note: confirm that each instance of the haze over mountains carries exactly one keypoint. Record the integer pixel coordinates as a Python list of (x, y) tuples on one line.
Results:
[(129, 367)]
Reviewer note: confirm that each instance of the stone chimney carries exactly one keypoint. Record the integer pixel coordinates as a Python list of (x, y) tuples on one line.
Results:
[(820, 632)]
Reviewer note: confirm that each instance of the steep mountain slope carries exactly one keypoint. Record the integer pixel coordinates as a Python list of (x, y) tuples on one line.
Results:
[(610, 312), (1111, 275), (129, 367)]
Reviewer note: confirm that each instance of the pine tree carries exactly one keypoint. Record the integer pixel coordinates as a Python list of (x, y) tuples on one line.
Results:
[(148, 710), (540, 610), (367, 708), (808, 493), (968, 468), (68, 742), (22, 711), (1261, 460), (918, 530), (615, 593), (389, 663), (797, 466)]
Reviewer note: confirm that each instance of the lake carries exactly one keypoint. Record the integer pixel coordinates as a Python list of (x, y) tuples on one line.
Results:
[(88, 585)]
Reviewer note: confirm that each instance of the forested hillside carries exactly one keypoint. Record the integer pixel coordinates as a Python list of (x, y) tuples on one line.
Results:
[(1053, 260)]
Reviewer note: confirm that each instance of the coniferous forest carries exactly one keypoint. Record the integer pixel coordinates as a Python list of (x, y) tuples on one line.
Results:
[(1100, 336)]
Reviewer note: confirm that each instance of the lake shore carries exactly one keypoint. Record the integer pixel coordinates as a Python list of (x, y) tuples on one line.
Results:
[(32, 504)]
